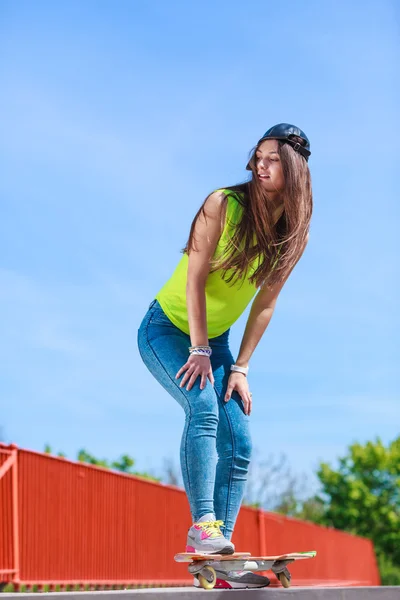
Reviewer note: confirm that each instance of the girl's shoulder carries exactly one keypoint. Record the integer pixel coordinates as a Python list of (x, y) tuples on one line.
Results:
[(235, 202), (235, 198), (237, 193)]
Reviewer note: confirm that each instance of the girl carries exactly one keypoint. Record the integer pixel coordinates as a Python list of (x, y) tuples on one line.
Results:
[(244, 238)]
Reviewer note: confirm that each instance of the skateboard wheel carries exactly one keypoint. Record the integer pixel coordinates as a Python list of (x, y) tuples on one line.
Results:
[(283, 579), (207, 578)]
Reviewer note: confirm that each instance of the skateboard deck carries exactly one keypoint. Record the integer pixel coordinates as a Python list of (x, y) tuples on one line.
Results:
[(201, 565), (190, 556)]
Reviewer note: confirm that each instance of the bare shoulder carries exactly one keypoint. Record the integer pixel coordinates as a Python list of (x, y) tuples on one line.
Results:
[(215, 204)]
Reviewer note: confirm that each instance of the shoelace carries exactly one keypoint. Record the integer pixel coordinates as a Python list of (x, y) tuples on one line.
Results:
[(212, 528)]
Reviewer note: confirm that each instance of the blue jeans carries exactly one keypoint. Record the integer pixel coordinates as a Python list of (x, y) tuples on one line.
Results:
[(216, 445)]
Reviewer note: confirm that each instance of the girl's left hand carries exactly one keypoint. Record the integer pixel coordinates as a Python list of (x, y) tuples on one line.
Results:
[(239, 383)]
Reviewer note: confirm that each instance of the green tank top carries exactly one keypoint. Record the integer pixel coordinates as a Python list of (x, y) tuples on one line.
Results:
[(225, 302)]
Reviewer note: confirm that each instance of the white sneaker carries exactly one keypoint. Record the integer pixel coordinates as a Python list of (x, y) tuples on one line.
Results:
[(205, 537)]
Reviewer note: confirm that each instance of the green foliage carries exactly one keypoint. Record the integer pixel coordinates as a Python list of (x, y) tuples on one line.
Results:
[(47, 450), (363, 495), (89, 459), (124, 464), (390, 573)]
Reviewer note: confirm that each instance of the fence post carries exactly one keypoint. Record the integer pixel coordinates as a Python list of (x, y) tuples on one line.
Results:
[(261, 530), (15, 509), (10, 464)]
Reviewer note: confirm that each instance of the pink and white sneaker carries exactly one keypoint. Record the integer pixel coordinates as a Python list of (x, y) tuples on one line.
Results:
[(205, 537)]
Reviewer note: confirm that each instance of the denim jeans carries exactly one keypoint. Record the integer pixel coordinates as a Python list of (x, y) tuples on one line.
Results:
[(216, 445)]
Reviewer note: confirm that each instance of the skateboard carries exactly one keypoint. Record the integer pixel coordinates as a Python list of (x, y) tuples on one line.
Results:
[(202, 565)]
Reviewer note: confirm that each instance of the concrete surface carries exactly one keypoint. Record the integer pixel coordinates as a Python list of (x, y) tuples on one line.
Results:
[(297, 593)]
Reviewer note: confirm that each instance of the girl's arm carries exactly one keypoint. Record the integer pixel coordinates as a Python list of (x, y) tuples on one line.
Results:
[(207, 232), (260, 315)]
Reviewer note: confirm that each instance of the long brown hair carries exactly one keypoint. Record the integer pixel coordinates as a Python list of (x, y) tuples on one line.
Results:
[(278, 245)]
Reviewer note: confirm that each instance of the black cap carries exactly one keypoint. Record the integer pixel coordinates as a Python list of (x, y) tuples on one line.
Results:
[(285, 132)]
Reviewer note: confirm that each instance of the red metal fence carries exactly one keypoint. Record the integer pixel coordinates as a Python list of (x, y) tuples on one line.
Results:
[(63, 523)]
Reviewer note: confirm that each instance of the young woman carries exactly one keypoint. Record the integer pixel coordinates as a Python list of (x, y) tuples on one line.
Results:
[(244, 242)]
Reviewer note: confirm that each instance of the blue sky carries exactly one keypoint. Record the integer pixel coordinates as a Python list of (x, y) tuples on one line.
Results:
[(116, 120)]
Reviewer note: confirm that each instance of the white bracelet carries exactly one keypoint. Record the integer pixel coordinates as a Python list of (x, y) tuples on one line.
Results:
[(237, 369), (200, 351)]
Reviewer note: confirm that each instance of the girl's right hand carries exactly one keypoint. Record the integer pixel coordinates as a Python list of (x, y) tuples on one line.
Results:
[(196, 366)]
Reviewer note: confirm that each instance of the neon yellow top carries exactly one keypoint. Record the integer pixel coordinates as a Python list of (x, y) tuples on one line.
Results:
[(225, 302)]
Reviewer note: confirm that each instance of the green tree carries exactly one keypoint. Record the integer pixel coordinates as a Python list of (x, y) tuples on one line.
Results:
[(48, 450), (124, 464), (362, 496), (390, 573), (85, 457)]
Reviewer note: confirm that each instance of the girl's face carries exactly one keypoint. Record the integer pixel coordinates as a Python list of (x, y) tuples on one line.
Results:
[(269, 167)]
